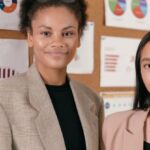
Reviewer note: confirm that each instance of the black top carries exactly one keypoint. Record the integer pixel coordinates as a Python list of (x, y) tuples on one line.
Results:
[(66, 111), (146, 146)]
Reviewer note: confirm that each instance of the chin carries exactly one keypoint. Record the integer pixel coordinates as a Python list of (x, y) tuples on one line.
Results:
[(58, 66)]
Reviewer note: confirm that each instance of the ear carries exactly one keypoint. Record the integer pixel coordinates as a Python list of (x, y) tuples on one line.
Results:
[(29, 38)]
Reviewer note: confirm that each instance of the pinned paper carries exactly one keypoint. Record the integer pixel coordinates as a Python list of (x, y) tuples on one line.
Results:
[(14, 57), (83, 61)]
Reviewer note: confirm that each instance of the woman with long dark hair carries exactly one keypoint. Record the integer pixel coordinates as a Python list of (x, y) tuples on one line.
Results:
[(130, 130)]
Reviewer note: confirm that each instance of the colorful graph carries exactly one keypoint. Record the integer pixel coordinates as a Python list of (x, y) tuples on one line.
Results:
[(8, 9), (139, 8), (117, 7)]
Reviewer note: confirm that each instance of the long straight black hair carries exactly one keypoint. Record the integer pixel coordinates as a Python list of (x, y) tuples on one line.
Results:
[(142, 96)]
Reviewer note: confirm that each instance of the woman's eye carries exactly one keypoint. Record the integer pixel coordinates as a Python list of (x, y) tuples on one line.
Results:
[(46, 34), (68, 34), (147, 66)]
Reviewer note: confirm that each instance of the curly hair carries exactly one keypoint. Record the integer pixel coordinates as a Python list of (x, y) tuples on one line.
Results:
[(29, 8)]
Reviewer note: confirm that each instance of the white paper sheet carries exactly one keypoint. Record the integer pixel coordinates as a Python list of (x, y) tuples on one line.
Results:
[(13, 57), (117, 101), (117, 61), (9, 14), (83, 62), (134, 14)]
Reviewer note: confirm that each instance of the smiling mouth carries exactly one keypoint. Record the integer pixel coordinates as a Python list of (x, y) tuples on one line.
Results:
[(57, 53)]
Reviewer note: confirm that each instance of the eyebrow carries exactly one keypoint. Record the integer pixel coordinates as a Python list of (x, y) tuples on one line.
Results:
[(145, 59), (65, 28), (47, 27), (69, 27)]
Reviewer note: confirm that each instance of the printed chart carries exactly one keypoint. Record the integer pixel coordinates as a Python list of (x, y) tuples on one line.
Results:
[(118, 7), (117, 101), (134, 14), (9, 9), (8, 6), (139, 8), (13, 57), (117, 61)]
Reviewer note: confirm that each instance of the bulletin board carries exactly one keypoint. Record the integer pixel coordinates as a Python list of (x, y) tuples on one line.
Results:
[(96, 13)]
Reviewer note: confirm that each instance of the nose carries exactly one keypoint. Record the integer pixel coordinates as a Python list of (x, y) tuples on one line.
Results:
[(57, 41)]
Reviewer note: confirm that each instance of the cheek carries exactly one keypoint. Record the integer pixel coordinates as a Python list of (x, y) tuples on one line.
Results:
[(39, 43), (38, 49), (39, 46), (146, 79)]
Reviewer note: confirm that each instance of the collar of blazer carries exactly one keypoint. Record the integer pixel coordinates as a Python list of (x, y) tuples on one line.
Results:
[(136, 121), (46, 120), (134, 132)]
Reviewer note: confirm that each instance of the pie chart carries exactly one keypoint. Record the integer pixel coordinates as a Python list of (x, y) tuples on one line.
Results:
[(139, 8), (8, 9), (117, 7)]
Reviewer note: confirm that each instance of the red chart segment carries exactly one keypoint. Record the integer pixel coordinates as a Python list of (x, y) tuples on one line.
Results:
[(117, 7), (139, 8), (8, 9)]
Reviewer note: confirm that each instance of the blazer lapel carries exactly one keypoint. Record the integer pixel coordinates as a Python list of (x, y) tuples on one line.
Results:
[(134, 132), (88, 122), (46, 121)]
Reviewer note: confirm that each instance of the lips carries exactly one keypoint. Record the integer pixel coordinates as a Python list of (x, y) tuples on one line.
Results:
[(57, 53)]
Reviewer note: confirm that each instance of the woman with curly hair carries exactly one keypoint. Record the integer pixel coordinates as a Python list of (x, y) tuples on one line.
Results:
[(44, 109)]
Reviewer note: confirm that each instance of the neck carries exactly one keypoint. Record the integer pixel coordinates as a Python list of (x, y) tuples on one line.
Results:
[(52, 76)]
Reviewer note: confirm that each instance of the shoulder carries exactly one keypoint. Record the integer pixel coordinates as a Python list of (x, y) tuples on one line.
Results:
[(89, 97), (13, 83), (116, 122), (86, 91), (12, 87), (118, 117)]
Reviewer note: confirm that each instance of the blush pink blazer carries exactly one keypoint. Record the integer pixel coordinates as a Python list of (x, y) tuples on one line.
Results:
[(124, 130)]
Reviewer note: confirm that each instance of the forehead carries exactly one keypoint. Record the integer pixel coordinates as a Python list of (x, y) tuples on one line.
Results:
[(50, 10), (55, 15)]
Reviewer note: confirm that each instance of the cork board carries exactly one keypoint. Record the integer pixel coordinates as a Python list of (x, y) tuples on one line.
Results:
[(96, 14)]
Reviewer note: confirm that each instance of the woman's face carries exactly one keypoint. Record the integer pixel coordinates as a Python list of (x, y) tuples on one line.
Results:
[(145, 65), (54, 37)]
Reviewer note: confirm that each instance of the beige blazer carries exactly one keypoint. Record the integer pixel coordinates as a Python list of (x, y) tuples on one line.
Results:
[(28, 120), (124, 130)]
